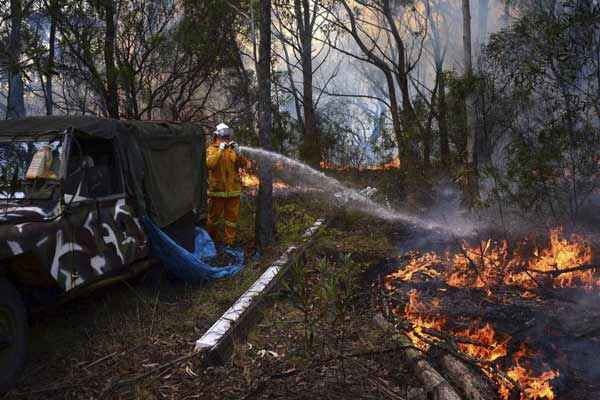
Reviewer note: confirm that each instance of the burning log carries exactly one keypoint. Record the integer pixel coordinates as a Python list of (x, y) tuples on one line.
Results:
[(431, 379), (471, 383)]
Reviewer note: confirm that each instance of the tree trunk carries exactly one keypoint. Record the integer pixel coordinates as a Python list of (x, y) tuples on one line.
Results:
[(443, 120), (246, 85), (483, 17), (427, 142), (439, 54), (111, 95), (49, 97), (470, 164), (295, 93), (395, 112), (265, 219), (506, 14), (15, 103), (409, 117), (311, 149)]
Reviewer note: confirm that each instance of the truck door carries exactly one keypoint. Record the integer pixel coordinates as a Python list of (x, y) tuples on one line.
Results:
[(119, 237)]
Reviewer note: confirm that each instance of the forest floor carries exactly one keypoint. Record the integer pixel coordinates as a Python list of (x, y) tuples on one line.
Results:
[(316, 339)]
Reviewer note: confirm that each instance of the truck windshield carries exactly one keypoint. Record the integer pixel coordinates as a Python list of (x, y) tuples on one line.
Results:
[(29, 169)]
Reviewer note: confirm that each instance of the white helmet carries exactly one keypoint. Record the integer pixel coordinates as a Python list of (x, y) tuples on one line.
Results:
[(223, 130)]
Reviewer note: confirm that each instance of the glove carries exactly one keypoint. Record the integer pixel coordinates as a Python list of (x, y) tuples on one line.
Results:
[(222, 146), (235, 147)]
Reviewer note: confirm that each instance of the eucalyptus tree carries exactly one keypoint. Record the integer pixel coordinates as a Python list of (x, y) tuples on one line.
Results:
[(470, 133), (545, 76), (390, 35), (164, 59), (439, 33), (265, 218), (298, 24)]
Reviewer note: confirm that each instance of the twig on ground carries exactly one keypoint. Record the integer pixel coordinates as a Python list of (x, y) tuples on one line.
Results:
[(114, 385), (558, 272)]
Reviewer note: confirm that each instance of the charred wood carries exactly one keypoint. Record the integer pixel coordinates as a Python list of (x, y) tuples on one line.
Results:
[(471, 383), (431, 379)]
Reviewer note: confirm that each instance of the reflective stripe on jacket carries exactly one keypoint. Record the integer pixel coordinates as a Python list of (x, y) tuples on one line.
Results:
[(223, 175)]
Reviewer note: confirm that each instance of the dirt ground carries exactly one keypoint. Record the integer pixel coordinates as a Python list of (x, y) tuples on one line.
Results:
[(315, 340)]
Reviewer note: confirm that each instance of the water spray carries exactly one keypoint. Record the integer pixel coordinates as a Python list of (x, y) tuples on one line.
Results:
[(349, 198)]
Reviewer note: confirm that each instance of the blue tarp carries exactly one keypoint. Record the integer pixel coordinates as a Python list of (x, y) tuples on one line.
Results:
[(191, 267)]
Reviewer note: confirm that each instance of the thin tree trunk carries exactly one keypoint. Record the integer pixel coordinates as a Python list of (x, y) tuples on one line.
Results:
[(297, 105), (49, 97), (111, 95), (439, 53), (246, 84), (483, 17), (394, 111), (411, 125), (443, 120), (311, 151), (15, 103), (506, 14), (470, 164), (265, 219)]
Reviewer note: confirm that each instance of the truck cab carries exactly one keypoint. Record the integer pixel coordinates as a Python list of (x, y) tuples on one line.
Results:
[(72, 195)]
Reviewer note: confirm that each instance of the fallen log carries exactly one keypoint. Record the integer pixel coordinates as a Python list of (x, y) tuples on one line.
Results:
[(470, 383), (432, 381)]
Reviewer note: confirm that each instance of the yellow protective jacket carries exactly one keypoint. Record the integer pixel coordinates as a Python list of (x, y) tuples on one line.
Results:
[(223, 175)]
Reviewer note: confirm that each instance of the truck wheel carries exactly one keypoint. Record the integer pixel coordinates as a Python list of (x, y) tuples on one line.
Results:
[(13, 335)]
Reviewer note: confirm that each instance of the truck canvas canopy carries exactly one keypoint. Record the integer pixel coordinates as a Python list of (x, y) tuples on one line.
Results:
[(163, 163)]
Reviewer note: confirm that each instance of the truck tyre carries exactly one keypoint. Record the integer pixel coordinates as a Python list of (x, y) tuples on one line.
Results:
[(13, 335)]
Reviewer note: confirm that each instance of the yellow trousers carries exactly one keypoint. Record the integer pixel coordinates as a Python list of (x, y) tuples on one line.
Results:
[(223, 211)]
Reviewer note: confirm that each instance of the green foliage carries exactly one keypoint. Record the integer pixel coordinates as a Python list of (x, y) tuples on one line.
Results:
[(324, 294), (544, 74), (292, 221)]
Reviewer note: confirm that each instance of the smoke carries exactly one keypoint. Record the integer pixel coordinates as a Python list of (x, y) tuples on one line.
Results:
[(341, 74)]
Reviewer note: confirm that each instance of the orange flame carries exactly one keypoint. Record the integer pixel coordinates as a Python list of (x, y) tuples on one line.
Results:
[(563, 254), (415, 312), (490, 349), (393, 164), (424, 264), (249, 180), (489, 266), (532, 387), (252, 181)]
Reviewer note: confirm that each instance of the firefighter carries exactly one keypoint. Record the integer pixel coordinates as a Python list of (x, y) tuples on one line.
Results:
[(223, 160)]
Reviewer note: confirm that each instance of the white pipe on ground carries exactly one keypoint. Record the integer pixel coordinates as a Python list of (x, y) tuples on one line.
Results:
[(230, 318)]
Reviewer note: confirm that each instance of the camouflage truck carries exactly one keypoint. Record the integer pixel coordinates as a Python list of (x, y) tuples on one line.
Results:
[(72, 194)]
